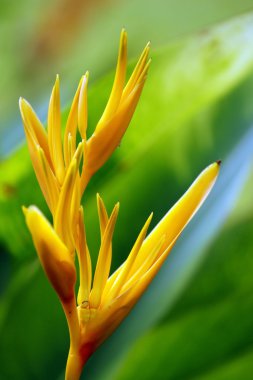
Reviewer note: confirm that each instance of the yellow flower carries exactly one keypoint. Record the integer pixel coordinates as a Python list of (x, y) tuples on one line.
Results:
[(63, 170)]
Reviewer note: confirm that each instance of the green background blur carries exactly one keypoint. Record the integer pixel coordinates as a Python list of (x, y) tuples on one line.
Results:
[(196, 319)]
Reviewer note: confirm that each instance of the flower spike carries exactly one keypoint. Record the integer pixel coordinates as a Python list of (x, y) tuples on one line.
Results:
[(64, 167)]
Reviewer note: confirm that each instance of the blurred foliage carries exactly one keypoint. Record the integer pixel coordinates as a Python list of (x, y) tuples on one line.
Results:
[(41, 38), (196, 108)]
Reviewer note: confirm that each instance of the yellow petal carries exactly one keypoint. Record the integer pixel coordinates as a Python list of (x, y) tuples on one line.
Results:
[(54, 132), (133, 293), (84, 263), (102, 213), (182, 212), (104, 261), (34, 150), (53, 254), (136, 72), (63, 223), (135, 276), (32, 122), (124, 272), (102, 143), (50, 182), (177, 218), (82, 107), (71, 126), (118, 84)]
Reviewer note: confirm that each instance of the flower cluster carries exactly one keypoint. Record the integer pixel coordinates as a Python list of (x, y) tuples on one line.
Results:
[(64, 167)]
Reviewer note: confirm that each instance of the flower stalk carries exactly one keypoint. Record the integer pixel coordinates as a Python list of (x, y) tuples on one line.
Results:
[(63, 168)]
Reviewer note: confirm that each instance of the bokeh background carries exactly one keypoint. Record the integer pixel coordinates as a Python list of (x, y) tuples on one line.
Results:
[(196, 319)]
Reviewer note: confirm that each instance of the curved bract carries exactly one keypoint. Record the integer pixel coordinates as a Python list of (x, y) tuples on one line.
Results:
[(64, 167)]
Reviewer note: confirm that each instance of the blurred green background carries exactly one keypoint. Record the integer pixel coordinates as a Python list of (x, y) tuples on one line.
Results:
[(196, 319)]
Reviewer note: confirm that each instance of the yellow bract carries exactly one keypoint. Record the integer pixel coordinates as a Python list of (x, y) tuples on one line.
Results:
[(63, 167)]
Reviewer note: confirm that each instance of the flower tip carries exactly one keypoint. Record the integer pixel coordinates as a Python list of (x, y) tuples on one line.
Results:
[(123, 35), (22, 104), (57, 82), (99, 199), (32, 215)]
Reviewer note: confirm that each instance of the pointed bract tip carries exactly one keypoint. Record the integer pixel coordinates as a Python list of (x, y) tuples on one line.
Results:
[(57, 82), (87, 74), (123, 35), (21, 105), (22, 102), (218, 162)]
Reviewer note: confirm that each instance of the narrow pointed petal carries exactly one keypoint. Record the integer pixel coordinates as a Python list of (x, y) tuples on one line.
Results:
[(70, 149), (136, 72), (182, 212), (103, 143), (133, 293), (177, 218), (51, 184), (124, 272), (37, 164), (63, 223), (82, 107), (71, 125), (32, 122), (135, 276), (118, 84), (84, 263), (104, 261), (53, 254), (75, 204), (54, 132), (102, 214)]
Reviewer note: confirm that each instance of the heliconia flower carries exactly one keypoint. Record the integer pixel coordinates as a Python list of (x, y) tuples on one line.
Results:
[(63, 169), (104, 305), (51, 155), (104, 302)]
